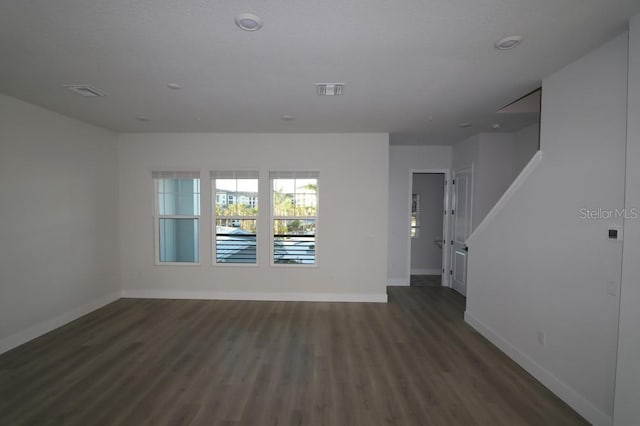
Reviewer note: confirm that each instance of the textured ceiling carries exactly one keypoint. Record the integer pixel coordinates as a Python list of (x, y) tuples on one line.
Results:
[(413, 68)]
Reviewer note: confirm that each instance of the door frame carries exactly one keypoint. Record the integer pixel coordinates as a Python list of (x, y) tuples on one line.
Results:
[(446, 220)]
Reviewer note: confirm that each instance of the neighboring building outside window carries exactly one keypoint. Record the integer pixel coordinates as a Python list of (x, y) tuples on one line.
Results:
[(294, 216), (177, 216), (235, 217)]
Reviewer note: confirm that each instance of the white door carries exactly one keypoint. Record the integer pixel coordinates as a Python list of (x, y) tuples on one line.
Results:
[(460, 228)]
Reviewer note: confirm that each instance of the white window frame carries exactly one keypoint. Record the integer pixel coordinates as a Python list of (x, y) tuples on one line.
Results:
[(293, 175), (157, 216), (229, 174)]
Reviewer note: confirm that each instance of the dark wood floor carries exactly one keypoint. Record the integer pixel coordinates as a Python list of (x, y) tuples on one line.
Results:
[(412, 361), (426, 280)]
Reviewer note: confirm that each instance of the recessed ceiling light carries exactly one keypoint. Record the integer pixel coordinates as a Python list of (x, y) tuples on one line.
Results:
[(174, 86), (508, 42), (496, 126), (142, 118), (465, 124), (85, 90), (248, 22), (287, 117), (330, 89)]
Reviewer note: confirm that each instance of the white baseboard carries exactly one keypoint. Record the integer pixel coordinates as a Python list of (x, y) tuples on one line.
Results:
[(565, 392), (393, 282), (274, 297), (434, 271), (44, 327)]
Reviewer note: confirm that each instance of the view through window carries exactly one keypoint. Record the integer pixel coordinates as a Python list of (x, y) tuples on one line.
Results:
[(295, 211), (236, 216)]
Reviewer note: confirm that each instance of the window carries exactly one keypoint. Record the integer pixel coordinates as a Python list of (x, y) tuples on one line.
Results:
[(177, 215), (295, 215), (415, 215), (236, 216)]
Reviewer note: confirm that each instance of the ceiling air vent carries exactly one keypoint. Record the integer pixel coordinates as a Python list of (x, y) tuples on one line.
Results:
[(84, 90), (330, 89)]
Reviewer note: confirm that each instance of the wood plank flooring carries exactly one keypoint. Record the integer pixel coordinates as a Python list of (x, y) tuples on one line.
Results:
[(426, 280), (412, 361)]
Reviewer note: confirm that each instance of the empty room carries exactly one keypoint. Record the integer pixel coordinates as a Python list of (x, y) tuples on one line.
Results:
[(332, 213)]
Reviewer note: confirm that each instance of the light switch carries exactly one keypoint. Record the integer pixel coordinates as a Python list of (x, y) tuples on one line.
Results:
[(615, 233)]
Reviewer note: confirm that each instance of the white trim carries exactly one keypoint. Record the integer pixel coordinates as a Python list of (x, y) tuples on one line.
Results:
[(234, 265), (393, 282), (274, 297), (513, 188), (433, 271), (46, 326), (445, 227), (565, 392), (176, 264)]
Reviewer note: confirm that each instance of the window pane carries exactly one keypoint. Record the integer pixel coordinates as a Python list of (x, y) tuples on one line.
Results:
[(283, 204), (306, 186), (305, 204), (294, 226), (228, 185), (236, 201), (294, 241), (178, 240), (179, 197), (286, 186), (295, 197), (236, 197), (236, 241), (248, 185)]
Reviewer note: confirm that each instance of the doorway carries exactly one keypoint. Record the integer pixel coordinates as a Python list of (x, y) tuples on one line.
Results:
[(428, 226)]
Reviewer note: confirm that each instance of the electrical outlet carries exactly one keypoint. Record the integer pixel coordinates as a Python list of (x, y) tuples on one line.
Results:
[(542, 338), (612, 288)]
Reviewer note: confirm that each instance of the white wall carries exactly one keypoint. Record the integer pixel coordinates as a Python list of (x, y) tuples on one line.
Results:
[(627, 409), (352, 226), (426, 256), (493, 174), (525, 144), (466, 153), (58, 186), (491, 155), (403, 159), (537, 266)]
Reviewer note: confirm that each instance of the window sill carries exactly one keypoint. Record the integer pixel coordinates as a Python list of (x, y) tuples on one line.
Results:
[(235, 265), (293, 265), (177, 263)]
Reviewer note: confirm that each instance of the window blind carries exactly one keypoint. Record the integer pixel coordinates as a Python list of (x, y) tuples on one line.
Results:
[(294, 175), (234, 174), (175, 175)]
